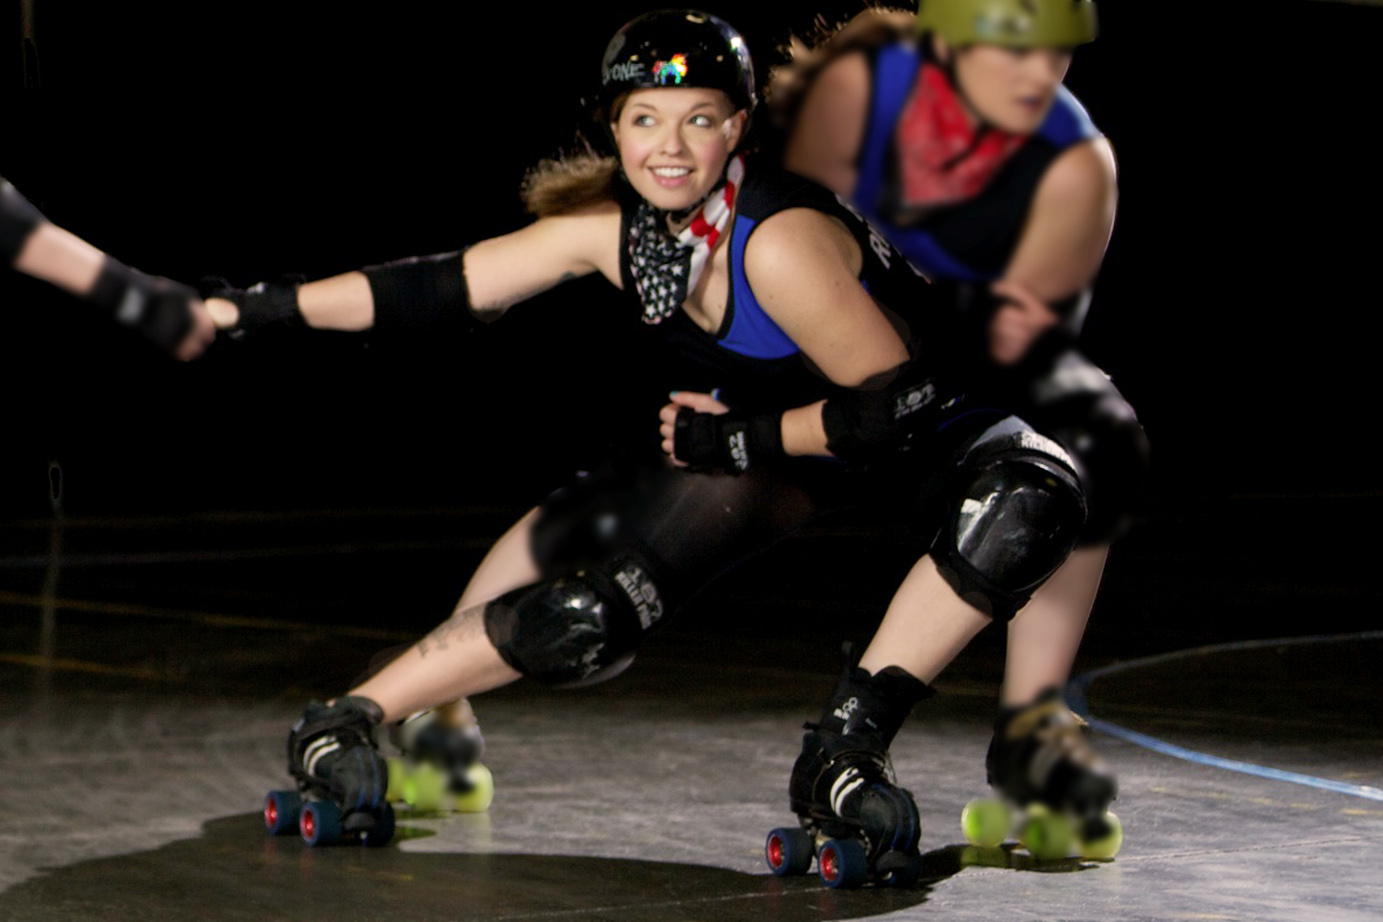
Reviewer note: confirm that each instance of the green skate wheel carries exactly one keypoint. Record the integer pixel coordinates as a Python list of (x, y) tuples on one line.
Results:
[(482, 792), (425, 788), (1047, 835), (973, 856), (985, 821), (398, 773), (1107, 845)]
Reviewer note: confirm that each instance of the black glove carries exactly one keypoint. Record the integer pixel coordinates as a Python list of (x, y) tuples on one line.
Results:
[(159, 309), (259, 305), (730, 442)]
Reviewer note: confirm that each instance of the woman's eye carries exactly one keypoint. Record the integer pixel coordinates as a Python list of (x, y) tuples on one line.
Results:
[(643, 121), (702, 121)]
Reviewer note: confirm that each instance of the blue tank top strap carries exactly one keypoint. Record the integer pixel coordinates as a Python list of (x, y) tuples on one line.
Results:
[(895, 72), (751, 331), (1068, 123)]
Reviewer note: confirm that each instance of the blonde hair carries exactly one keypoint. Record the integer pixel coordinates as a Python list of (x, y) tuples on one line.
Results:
[(569, 183), (788, 83)]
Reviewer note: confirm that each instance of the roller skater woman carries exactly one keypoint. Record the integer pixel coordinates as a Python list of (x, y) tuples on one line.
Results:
[(749, 281), (953, 134)]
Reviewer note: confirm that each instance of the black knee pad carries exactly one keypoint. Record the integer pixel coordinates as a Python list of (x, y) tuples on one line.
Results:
[(1111, 453), (1014, 519), (1070, 399), (576, 630)]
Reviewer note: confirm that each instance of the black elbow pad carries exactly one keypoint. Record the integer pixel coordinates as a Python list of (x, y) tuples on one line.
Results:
[(18, 219)]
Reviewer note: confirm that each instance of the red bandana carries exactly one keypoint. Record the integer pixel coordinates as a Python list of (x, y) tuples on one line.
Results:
[(939, 161)]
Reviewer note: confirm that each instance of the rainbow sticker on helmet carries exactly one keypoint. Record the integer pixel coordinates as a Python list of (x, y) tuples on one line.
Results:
[(676, 68), (678, 48)]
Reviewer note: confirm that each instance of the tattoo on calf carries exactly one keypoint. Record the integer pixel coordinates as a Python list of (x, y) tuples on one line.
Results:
[(463, 625)]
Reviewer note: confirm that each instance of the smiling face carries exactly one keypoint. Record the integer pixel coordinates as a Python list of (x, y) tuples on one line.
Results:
[(1010, 88), (674, 142)]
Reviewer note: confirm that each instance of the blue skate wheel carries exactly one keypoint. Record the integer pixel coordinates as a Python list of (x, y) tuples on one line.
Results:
[(383, 829), (843, 863), (789, 851), (281, 809), (320, 823)]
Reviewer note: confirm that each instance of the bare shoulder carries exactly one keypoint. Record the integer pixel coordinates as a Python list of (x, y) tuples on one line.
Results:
[(593, 218), (589, 234), (793, 242), (844, 82), (828, 126), (1084, 172)]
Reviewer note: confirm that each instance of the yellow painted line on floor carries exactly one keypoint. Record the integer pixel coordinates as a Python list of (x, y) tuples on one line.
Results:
[(76, 665), (214, 620)]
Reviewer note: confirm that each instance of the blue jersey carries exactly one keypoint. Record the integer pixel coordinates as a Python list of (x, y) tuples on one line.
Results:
[(749, 358), (971, 241)]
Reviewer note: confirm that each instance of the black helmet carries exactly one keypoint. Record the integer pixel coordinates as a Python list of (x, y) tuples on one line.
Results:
[(678, 48)]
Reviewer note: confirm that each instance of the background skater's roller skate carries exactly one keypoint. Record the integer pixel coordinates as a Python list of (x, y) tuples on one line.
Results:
[(1041, 762), (854, 820), (439, 766), (341, 778)]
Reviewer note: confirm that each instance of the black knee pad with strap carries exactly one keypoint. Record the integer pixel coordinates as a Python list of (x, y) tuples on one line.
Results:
[(579, 629), (1014, 519)]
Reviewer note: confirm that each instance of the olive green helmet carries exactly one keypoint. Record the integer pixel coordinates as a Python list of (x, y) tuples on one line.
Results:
[(1016, 23)]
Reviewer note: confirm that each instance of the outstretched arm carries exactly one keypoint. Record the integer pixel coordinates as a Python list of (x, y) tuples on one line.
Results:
[(168, 314), (478, 283)]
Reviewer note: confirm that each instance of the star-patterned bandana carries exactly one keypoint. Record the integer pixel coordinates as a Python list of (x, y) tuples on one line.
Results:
[(665, 267)]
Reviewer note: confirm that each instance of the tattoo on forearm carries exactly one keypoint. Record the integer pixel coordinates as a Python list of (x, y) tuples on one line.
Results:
[(464, 624)]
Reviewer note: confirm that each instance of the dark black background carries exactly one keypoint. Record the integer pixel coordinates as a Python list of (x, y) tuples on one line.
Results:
[(1236, 308)]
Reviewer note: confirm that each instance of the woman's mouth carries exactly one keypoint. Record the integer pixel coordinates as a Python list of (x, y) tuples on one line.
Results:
[(671, 176)]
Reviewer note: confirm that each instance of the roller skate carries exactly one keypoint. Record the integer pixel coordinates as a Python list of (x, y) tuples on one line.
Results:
[(341, 778), (439, 764), (853, 818), (1054, 791)]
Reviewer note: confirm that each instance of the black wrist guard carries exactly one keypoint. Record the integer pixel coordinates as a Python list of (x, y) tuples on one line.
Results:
[(421, 293), (18, 219), (728, 442), (864, 425), (259, 305), (159, 309)]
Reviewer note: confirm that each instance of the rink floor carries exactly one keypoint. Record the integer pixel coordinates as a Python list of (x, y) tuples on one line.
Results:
[(149, 670)]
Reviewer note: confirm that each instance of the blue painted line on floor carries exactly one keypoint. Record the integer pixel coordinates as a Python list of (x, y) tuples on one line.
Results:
[(1077, 689), (1247, 768)]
